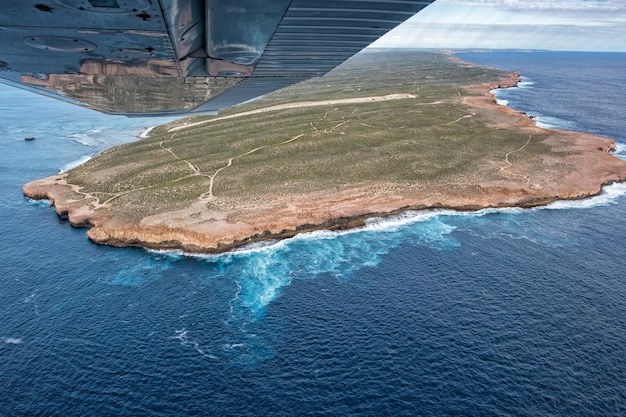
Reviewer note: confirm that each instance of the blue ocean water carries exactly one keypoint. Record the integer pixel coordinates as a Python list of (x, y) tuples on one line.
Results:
[(498, 312)]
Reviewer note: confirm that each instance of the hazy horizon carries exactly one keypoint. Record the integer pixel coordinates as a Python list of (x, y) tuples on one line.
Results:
[(554, 25)]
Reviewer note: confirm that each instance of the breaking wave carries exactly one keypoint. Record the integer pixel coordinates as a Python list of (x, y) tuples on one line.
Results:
[(74, 164), (551, 122)]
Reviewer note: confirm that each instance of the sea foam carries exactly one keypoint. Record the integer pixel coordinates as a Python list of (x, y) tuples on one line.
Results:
[(74, 164), (40, 203), (378, 226), (550, 122), (609, 195), (525, 83), (83, 141), (620, 151)]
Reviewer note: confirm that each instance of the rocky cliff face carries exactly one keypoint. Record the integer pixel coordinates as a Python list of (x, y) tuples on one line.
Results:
[(198, 230)]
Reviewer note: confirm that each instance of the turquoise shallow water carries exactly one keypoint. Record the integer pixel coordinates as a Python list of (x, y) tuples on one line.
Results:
[(499, 312)]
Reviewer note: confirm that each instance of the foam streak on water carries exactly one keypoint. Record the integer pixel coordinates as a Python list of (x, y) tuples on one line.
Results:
[(75, 163)]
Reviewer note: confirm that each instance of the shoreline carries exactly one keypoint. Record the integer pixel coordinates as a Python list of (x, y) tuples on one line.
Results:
[(391, 222), (198, 230), (188, 242)]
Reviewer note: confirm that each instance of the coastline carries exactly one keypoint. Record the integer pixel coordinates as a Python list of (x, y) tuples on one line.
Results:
[(199, 229)]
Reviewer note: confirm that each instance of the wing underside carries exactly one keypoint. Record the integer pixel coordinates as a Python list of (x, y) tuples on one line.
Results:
[(145, 57)]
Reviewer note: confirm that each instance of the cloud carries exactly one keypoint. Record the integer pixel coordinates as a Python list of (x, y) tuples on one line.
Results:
[(532, 13), (469, 36), (598, 25), (600, 5)]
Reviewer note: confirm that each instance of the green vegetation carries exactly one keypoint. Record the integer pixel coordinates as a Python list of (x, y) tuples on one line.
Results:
[(431, 138)]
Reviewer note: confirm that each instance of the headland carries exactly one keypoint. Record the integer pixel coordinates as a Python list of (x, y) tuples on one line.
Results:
[(386, 132)]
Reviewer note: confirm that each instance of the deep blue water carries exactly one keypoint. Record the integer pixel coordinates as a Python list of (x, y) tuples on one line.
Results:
[(494, 313)]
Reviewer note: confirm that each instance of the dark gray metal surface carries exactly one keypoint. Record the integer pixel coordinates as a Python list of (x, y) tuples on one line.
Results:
[(183, 56)]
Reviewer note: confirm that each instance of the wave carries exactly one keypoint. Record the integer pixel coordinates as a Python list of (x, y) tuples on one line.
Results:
[(91, 145), (525, 83), (83, 139), (620, 151), (609, 195), (551, 122), (74, 164), (263, 270), (376, 224), (504, 96), (40, 203)]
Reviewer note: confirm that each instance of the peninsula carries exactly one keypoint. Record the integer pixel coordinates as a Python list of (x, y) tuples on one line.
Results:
[(386, 132)]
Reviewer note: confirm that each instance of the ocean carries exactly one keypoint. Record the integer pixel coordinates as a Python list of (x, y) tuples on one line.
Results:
[(490, 313)]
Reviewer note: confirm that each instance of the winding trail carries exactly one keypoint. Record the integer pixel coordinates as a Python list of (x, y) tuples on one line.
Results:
[(509, 164), (209, 195), (193, 167), (459, 119)]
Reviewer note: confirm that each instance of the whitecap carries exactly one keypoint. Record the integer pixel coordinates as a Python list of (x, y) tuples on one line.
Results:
[(74, 164), (40, 203), (12, 340), (83, 139), (378, 224), (392, 223), (609, 195), (550, 122), (263, 270), (620, 151), (82, 142), (525, 83), (173, 254), (180, 335), (502, 102)]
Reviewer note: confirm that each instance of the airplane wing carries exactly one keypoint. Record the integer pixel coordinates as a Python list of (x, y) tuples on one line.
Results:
[(164, 57)]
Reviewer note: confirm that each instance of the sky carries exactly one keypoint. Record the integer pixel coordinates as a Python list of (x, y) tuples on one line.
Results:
[(570, 25)]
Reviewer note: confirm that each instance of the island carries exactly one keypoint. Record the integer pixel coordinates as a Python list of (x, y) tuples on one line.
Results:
[(384, 133)]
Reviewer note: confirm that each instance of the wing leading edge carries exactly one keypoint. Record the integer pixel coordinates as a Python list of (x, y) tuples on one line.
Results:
[(151, 57)]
